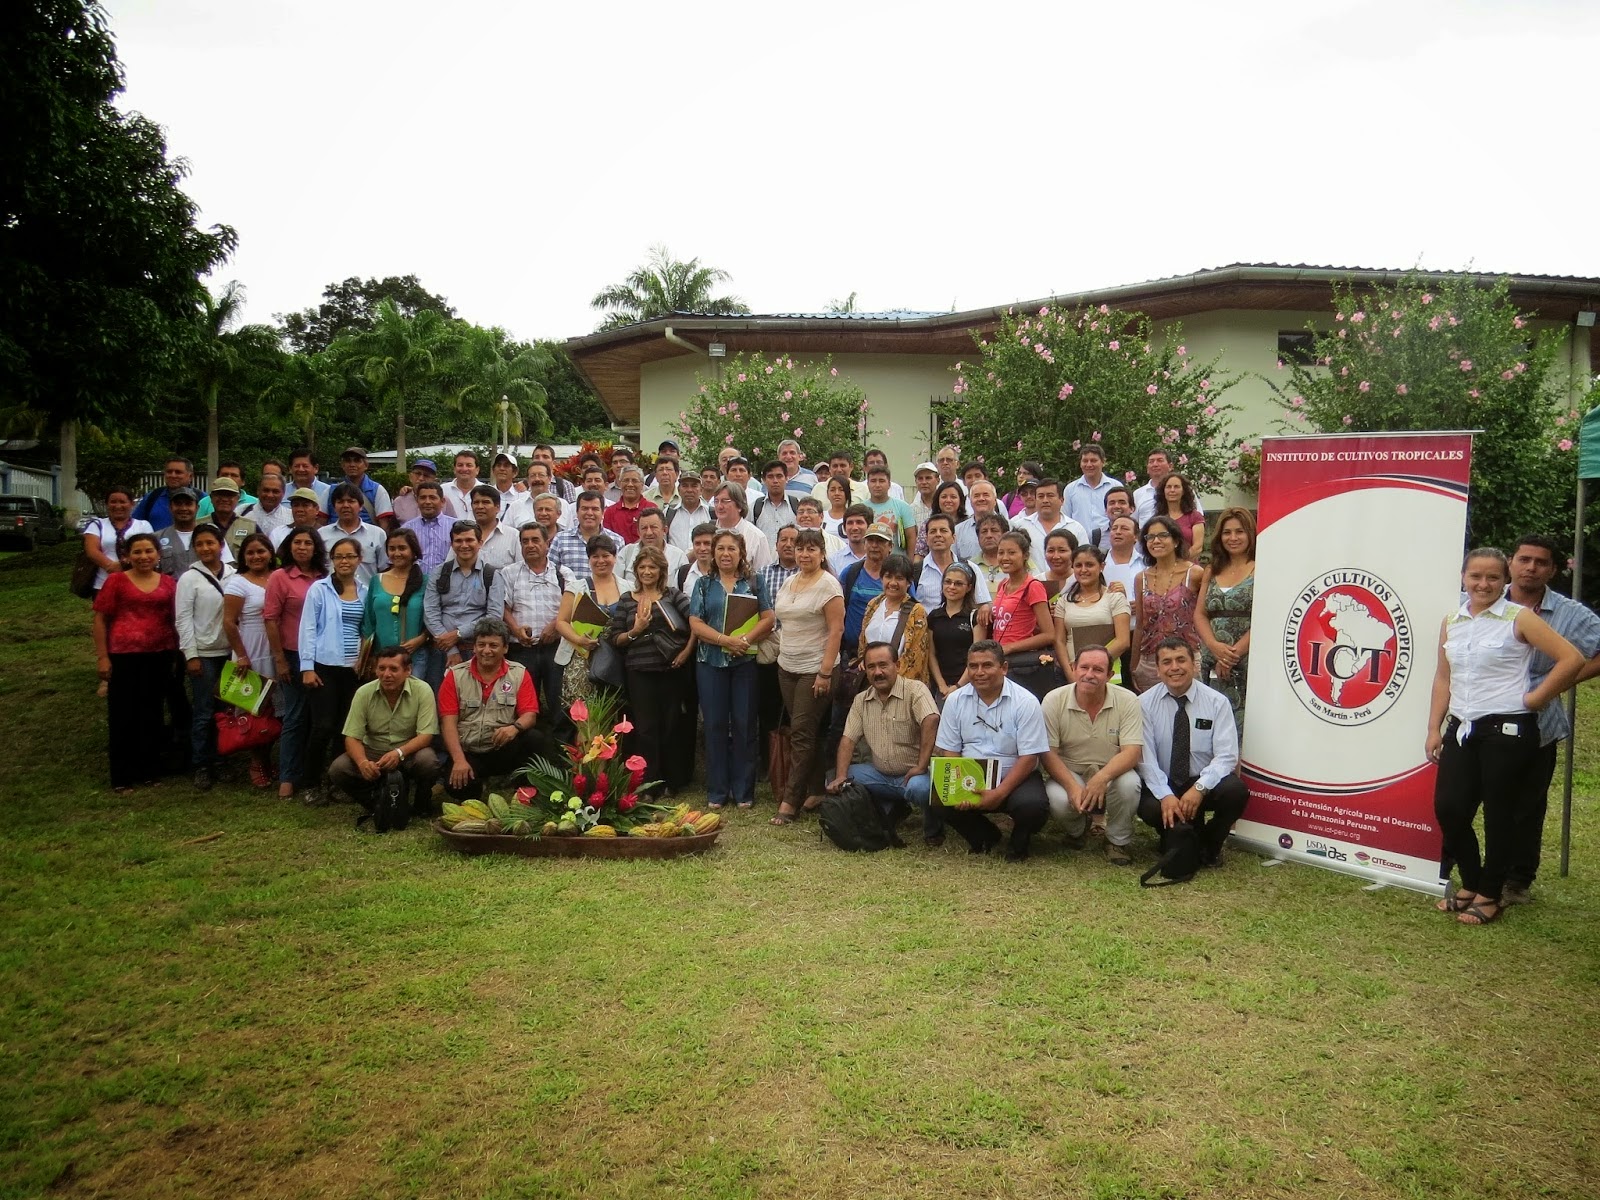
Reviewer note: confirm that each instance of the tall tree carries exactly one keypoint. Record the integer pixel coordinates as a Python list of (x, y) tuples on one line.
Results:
[(352, 307), (100, 259), (495, 370), (220, 354), (301, 394), (663, 286), (401, 358), (572, 405)]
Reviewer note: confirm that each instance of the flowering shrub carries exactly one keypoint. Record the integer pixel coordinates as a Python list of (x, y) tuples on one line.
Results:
[(1451, 355), (758, 402), (570, 468), (1049, 382)]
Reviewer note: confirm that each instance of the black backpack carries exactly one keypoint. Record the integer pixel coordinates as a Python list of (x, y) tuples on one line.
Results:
[(441, 584), (852, 820), (388, 803), (1180, 857)]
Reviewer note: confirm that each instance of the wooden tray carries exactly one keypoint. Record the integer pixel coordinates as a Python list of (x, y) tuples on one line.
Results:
[(577, 847)]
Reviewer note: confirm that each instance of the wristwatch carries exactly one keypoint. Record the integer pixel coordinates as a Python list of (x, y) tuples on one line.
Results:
[(400, 753), (1202, 789)]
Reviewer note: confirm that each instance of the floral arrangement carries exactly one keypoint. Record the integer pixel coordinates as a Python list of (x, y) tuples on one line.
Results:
[(1047, 383), (571, 468), (595, 790)]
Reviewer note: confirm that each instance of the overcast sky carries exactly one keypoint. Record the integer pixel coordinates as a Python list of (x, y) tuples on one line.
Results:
[(519, 157)]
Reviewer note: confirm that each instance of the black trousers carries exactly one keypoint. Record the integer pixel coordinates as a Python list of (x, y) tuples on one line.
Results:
[(178, 737), (1027, 806), (1530, 824), (655, 705), (546, 671), (1497, 769), (330, 705), (1213, 820), (138, 747), (485, 764)]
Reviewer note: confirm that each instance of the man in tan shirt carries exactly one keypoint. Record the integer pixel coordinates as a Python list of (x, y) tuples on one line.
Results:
[(1096, 734), (898, 720)]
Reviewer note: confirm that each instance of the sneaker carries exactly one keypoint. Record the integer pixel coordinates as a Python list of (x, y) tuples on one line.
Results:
[(1515, 893), (202, 779), (316, 798), (1118, 856)]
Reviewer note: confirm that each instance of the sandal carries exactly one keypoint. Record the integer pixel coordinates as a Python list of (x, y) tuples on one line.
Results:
[(812, 804), (784, 818), (1479, 914), (1456, 903), (747, 804)]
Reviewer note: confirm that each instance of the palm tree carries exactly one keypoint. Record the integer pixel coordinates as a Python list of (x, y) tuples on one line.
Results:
[(301, 392), (502, 379), (664, 286), (217, 354), (400, 358)]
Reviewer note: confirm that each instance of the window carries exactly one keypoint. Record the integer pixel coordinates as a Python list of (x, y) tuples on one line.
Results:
[(1297, 346), (940, 411)]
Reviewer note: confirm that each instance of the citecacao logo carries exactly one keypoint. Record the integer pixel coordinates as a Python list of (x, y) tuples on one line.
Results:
[(1347, 647)]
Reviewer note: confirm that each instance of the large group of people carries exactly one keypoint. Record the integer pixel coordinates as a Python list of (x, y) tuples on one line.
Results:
[(806, 625)]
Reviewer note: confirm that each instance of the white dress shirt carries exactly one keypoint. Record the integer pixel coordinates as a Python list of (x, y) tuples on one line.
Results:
[(1213, 738), (1006, 730)]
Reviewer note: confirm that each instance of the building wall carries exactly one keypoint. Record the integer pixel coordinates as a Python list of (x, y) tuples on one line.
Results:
[(899, 386)]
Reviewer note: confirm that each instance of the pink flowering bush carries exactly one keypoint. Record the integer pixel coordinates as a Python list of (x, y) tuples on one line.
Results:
[(1060, 379), (1451, 355), (757, 401)]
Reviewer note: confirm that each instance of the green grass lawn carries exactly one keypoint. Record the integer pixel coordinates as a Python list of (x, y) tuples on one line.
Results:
[(298, 1009)]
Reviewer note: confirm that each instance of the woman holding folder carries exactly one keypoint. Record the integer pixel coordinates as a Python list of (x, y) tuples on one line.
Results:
[(730, 613), (586, 610), (650, 629)]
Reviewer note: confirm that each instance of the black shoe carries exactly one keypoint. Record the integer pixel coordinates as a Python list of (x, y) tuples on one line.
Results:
[(1017, 851), (985, 843), (202, 780), (1078, 842), (933, 841), (1211, 858)]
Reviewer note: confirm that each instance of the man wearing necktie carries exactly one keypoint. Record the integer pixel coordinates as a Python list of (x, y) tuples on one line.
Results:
[(1191, 750)]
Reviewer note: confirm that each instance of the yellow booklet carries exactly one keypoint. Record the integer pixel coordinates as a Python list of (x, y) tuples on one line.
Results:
[(958, 781)]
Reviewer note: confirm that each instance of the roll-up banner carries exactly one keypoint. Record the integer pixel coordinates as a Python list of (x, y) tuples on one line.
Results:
[(1358, 560)]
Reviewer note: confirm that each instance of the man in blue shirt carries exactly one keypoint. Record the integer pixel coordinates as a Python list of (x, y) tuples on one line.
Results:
[(1191, 750), (992, 717), (156, 506), (1533, 566)]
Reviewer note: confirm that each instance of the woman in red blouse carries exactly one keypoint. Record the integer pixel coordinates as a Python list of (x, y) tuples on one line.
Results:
[(1020, 616), (134, 641)]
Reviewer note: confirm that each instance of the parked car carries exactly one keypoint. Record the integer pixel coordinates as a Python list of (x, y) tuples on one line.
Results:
[(30, 521)]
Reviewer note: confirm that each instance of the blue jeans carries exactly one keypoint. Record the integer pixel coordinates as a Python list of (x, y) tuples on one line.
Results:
[(202, 703), (888, 789), (728, 702), (296, 721)]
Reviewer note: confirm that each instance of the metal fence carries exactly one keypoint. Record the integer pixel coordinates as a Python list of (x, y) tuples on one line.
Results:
[(46, 485)]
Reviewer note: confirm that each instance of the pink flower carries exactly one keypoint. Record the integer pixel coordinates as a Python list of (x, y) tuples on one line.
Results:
[(609, 750), (1211, 410), (1105, 310), (1433, 324), (1427, 297), (1473, 392), (1520, 368), (1182, 350), (1564, 444), (819, 422), (788, 395), (1280, 364), (1205, 385), (1518, 322), (789, 364), (1076, 445), (1045, 311), (635, 763), (1151, 390), (1508, 374), (1114, 345), (1066, 390), (722, 410), (769, 370), (1233, 464), (1400, 389), (784, 416), (1095, 436), (798, 431), (1191, 430), (741, 376), (1129, 477), (626, 804), (727, 440), (1466, 364), (1357, 317), (597, 799), (1183, 460), (1395, 314), (624, 726), (579, 711), (833, 370), (527, 795), (1298, 401), (1364, 386), (1019, 443), (1341, 334), (1348, 420)]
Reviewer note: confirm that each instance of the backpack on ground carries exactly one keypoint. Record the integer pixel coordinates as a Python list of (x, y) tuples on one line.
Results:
[(1180, 857), (388, 803), (852, 820)]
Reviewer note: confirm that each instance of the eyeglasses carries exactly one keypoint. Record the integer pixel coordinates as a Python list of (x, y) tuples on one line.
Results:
[(1158, 537), (347, 558)]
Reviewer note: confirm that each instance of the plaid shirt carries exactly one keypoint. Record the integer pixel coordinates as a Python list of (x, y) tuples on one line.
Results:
[(571, 550), (775, 577), (534, 597)]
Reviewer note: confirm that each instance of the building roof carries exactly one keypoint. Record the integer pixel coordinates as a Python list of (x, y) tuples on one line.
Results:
[(611, 359)]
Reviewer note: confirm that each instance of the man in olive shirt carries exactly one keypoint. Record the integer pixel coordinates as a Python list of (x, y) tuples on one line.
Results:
[(1096, 732), (391, 727), (898, 720)]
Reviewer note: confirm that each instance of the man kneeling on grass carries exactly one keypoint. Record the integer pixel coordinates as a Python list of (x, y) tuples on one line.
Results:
[(391, 727), (1096, 740), (897, 719), (487, 710)]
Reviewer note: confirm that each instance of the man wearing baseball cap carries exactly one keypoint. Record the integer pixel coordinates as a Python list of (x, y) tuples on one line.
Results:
[(503, 474), (305, 511), (422, 470), (376, 507)]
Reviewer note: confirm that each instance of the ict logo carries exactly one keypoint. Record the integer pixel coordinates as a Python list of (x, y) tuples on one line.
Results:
[(1347, 647)]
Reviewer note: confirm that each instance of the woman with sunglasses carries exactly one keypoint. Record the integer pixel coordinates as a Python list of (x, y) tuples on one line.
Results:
[(1164, 598), (302, 561), (392, 615)]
